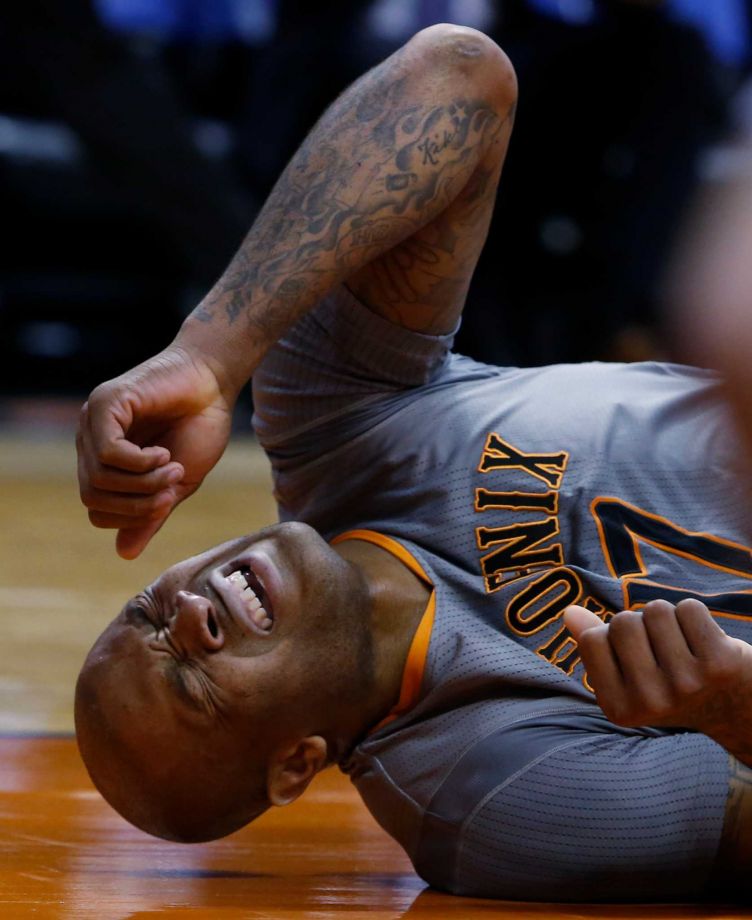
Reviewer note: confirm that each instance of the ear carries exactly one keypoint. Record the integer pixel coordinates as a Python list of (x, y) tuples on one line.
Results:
[(291, 769)]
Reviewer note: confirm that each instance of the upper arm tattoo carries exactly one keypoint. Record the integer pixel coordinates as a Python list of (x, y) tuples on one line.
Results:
[(379, 165)]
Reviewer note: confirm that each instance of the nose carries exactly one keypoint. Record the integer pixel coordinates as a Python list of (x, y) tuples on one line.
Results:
[(195, 623)]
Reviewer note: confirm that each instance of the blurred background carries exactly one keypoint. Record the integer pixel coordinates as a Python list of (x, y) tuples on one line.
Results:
[(138, 139)]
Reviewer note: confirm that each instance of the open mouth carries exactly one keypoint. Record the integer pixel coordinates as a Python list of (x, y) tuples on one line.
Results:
[(247, 593)]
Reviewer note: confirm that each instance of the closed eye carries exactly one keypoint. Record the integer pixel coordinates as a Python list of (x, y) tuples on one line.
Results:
[(136, 614), (190, 685)]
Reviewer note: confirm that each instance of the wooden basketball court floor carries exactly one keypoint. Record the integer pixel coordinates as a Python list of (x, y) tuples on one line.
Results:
[(63, 852)]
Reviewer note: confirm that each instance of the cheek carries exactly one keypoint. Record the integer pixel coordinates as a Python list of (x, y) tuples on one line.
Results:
[(330, 663), (265, 703), (299, 674), (257, 686)]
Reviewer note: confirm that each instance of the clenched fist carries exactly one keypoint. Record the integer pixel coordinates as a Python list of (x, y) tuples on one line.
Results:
[(669, 666), (146, 441)]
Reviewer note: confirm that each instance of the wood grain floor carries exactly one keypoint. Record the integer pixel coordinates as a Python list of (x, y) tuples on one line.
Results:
[(63, 852)]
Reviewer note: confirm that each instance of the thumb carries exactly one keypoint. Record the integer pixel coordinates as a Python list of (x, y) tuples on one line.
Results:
[(578, 620), (131, 541)]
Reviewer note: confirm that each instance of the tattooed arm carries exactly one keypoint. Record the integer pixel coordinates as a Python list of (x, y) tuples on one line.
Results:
[(391, 193)]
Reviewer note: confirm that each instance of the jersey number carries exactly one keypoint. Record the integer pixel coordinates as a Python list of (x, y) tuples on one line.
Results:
[(623, 528)]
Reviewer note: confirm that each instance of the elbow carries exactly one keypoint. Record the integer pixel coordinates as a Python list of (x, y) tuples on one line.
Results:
[(469, 59)]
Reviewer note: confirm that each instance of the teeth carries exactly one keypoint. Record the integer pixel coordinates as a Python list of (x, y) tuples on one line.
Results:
[(239, 584), (237, 579)]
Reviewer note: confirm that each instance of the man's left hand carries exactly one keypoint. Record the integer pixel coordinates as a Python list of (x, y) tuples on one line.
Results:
[(669, 666)]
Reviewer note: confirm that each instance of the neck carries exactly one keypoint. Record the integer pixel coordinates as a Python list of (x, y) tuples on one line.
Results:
[(398, 600)]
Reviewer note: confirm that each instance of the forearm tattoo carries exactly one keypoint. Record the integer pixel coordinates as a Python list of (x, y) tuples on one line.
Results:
[(377, 166)]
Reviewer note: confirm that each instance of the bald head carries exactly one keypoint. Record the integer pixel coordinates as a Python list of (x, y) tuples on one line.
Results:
[(212, 694), (172, 772)]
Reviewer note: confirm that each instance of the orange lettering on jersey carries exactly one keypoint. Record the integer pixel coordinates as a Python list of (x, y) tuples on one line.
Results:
[(561, 649), (520, 501), (562, 654), (520, 546), (500, 455), (543, 601)]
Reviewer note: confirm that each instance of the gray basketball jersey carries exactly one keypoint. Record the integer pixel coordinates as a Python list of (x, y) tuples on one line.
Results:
[(519, 492)]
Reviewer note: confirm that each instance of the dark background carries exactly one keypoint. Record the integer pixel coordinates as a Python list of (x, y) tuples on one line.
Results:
[(138, 138)]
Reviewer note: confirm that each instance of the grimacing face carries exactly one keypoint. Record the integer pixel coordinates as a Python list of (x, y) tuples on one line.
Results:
[(227, 655)]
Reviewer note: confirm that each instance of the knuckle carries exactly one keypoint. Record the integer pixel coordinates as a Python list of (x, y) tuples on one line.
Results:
[(444, 36), (147, 508), (686, 684), (625, 624), (132, 508), (98, 479), (107, 454), (658, 611), (97, 519), (589, 643), (98, 397), (694, 616), (692, 605), (103, 390)]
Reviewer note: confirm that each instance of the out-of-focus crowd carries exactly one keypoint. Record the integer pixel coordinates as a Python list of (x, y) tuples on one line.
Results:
[(139, 137)]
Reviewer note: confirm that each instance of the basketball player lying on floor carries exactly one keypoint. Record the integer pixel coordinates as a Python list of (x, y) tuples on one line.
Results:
[(406, 619)]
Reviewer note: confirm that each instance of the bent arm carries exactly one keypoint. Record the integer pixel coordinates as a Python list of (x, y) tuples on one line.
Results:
[(392, 191), (421, 136)]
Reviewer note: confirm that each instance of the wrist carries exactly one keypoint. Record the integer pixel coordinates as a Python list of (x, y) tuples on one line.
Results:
[(227, 353), (726, 720)]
